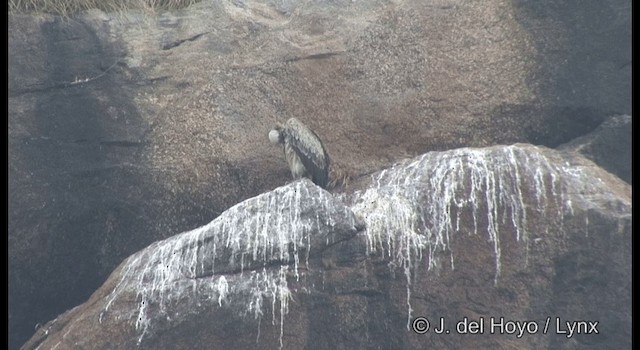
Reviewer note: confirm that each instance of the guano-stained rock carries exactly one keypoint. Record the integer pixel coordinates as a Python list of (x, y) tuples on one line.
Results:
[(523, 233)]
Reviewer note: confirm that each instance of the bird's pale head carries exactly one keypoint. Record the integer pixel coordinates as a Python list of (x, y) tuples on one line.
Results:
[(275, 136)]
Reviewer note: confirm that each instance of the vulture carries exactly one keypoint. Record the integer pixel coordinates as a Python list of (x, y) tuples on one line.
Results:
[(303, 150)]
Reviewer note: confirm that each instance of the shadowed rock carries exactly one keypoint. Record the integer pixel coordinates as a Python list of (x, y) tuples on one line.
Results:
[(609, 146)]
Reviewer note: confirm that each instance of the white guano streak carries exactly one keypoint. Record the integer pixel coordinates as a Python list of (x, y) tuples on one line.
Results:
[(404, 214)]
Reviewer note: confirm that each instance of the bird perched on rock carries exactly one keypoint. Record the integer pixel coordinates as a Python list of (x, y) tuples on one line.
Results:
[(303, 150)]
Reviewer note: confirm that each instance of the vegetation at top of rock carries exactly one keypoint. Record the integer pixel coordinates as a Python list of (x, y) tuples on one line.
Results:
[(69, 7)]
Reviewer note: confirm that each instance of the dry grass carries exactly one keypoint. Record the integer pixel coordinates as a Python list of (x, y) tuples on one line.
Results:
[(69, 7)]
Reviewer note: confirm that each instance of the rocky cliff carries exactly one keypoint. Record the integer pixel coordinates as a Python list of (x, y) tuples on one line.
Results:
[(125, 129)]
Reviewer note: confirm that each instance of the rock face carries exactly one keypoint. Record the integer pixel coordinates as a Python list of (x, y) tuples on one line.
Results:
[(609, 146), (524, 233), (124, 130), (241, 258)]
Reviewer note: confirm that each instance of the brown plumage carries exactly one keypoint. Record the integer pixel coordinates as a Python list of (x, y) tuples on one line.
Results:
[(303, 151)]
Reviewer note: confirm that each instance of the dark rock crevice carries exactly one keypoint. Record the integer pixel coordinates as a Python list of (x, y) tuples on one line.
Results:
[(177, 43)]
